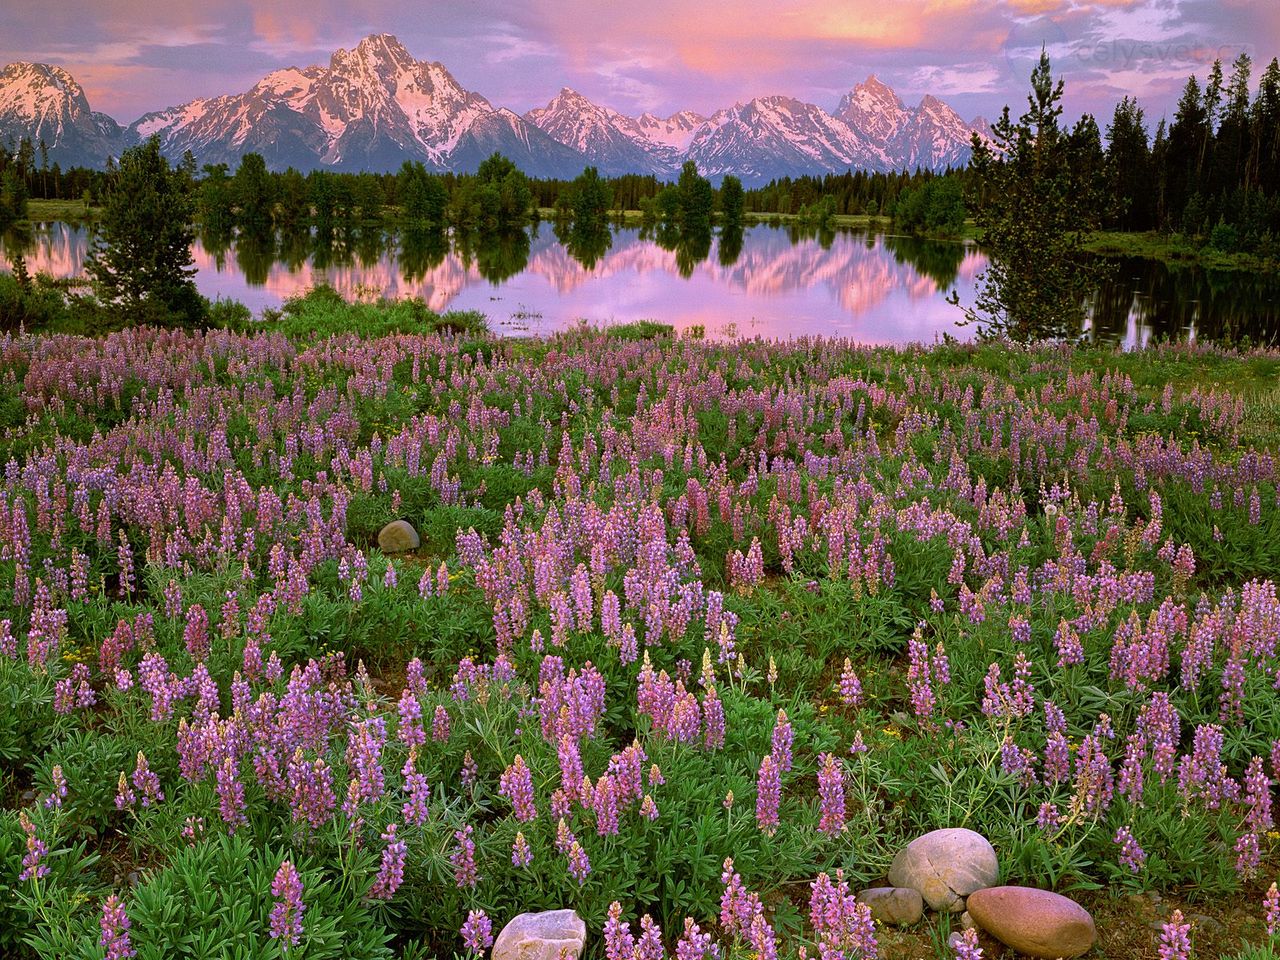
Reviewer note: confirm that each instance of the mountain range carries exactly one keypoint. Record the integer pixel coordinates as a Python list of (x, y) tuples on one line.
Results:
[(375, 106)]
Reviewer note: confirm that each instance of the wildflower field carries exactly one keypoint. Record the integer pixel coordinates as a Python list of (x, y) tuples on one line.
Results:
[(696, 638)]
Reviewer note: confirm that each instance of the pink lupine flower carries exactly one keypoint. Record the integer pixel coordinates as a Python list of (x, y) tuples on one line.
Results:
[(516, 784), (768, 794), (115, 930), (1132, 856), (521, 854), (579, 865), (463, 859), (33, 865), (780, 743), (477, 932), (831, 794), (850, 686), (391, 871), (966, 948), (286, 914), (1175, 938)]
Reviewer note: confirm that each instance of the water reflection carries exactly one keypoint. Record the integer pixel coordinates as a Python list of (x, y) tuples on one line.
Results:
[(762, 280)]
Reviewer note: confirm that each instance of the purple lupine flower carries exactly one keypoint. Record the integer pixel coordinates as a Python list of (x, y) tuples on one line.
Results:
[(1175, 938), (850, 686), (521, 854), (831, 794), (410, 730), (579, 865), (649, 946), (516, 784), (391, 871), (231, 801), (1271, 904), (463, 859), (780, 743), (146, 782), (417, 809), (648, 807), (33, 865), (1048, 818), (604, 804), (115, 930), (125, 797), (619, 944), (768, 794), (286, 914), (59, 792), (919, 678), (477, 931), (693, 943), (440, 724), (1132, 856), (713, 720), (966, 948)]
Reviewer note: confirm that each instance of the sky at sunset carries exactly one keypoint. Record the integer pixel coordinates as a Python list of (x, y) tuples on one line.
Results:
[(662, 55)]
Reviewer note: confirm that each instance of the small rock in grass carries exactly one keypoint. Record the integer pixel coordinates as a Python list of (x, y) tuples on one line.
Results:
[(397, 537), (945, 866), (966, 921), (1039, 923), (549, 935), (898, 906)]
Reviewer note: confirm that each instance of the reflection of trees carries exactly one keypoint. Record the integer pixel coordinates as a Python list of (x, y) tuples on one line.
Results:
[(822, 231), (294, 247), (938, 260), (1172, 300), (497, 255), (584, 242), (420, 252), (691, 246), (255, 253), (370, 244), (729, 249)]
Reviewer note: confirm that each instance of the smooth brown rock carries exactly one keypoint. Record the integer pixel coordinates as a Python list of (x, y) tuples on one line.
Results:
[(898, 906), (945, 866), (549, 935), (398, 536), (1039, 923)]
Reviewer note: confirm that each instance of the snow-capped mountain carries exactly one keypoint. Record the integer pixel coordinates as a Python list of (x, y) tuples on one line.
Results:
[(375, 106), (781, 136), (767, 137), (42, 102), (616, 144)]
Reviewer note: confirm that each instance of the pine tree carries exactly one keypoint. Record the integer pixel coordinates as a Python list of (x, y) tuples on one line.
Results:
[(141, 258), (1033, 210), (1128, 168)]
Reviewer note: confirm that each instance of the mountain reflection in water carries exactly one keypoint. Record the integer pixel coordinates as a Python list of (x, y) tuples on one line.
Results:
[(761, 280)]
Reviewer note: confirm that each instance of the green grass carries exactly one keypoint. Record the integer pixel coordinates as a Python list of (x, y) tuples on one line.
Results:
[(70, 210), (1175, 248)]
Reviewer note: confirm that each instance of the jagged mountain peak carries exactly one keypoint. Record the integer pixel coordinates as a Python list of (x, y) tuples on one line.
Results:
[(374, 106)]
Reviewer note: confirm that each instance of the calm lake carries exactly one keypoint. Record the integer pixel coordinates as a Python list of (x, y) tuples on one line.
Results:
[(767, 281)]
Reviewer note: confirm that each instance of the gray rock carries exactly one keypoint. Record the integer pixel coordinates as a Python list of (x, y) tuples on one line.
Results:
[(398, 536), (954, 940), (966, 921), (549, 935), (945, 866), (898, 906)]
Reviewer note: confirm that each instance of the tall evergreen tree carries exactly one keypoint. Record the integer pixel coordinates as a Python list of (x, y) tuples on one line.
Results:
[(141, 259), (1128, 169), (1033, 211)]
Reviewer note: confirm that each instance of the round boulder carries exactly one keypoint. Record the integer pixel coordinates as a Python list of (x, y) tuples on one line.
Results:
[(1039, 923), (397, 537), (945, 866), (897, 906), (548, 935)]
